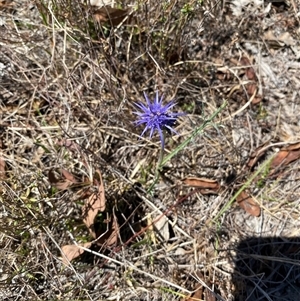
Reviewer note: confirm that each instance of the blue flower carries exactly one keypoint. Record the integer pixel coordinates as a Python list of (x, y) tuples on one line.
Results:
[(156, 116)]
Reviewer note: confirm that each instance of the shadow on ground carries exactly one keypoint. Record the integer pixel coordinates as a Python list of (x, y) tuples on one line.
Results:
[(267, 268)]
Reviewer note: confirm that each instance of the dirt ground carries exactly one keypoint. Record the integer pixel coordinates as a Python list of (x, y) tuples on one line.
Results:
[(86, 213)]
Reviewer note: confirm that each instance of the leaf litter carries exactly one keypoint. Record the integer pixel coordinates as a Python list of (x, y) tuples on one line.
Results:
[(71, 252), (61, 180), (94, 204), (136, 59)]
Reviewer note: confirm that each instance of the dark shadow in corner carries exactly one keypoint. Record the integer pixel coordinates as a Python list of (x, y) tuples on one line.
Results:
[(267, 268)]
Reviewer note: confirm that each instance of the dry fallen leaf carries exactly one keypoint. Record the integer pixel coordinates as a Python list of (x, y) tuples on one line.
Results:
[(201, 183), (95, 203), (68, 144), (68, 176), (196, 296), (248, 204), (2, 164), (61, 184), (108, 237), (286, 156), (285, 39), (6, 4), (272, 40), (2, 168), (199, 290), (223, 73), (250, 72), (113, 16), (251, 90), (251, 76), (73, 251)]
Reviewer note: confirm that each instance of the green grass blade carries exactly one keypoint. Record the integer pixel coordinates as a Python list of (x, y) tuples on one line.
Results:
[(249, 181), (196, 132)]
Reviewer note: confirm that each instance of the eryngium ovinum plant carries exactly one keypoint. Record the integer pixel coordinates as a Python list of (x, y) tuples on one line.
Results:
[(157, 117)]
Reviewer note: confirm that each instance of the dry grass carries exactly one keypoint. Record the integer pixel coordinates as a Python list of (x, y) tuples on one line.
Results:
[(67, 84)]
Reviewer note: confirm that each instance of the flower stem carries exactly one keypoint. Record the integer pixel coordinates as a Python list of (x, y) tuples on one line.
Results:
[(162, 150), (160, 160)]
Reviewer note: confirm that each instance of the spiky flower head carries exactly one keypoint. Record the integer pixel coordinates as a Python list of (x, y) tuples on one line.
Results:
[(156, 116)]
